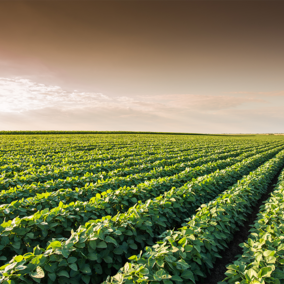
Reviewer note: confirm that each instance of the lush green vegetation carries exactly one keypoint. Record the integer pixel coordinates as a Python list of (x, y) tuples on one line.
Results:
[(137, 208), (262, 260)]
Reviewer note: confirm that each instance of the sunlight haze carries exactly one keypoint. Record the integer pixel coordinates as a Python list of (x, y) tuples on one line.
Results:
[(177, 66)]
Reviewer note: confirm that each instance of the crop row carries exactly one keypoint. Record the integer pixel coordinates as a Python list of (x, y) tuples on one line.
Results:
[(27, 232), (26, 169), (115, 200), (51, 149), (120, 167), (72, 155), (262, 260), (146, 189), (54, 143), (124, 160), (100, 246), (189, 253), (97, 180), (41, 157), (10, 170)]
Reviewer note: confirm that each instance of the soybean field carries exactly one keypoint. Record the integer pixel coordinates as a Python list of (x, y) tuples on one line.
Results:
[(141, 208)]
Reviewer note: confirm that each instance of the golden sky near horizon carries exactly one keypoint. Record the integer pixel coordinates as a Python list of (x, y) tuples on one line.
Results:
[(188, 66)]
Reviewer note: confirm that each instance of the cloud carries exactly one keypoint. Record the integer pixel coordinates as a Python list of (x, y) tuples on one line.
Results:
[(27, 105), (17, 95)]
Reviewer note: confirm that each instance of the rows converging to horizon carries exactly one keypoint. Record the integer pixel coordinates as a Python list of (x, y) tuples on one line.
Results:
[(141, 208)]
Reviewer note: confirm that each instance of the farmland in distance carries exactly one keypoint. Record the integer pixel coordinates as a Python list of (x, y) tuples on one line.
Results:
[(141, 208)]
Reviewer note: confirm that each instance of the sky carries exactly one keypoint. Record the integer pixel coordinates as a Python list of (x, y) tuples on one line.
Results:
[(170, 66)]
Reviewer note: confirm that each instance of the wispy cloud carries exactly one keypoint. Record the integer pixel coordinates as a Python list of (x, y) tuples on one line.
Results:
[(25, 104), (19, 94)]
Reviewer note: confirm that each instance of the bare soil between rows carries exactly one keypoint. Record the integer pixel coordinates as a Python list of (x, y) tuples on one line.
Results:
[(230, 254)]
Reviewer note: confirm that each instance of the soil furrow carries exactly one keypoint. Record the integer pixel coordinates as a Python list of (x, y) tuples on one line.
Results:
[(230, 254)]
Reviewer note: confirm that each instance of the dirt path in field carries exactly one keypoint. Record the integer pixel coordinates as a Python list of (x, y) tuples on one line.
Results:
[(229, 255)]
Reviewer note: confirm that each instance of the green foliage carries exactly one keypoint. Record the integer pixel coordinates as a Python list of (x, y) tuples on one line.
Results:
[(165, 178), (38, 229), (74, 208), (189, 253), (96, 243), (262, 260)]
